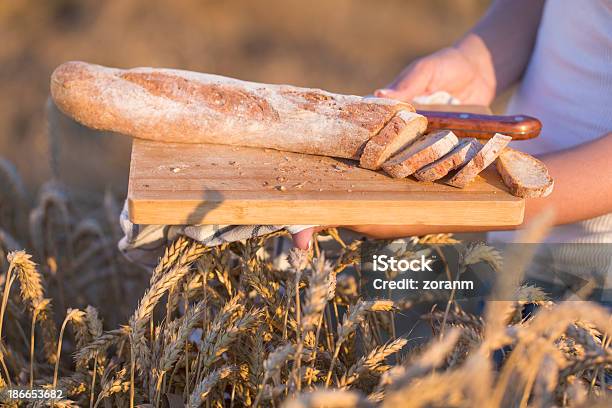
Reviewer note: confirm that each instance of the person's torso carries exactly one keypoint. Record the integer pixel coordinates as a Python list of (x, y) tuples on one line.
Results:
[(568, 86)]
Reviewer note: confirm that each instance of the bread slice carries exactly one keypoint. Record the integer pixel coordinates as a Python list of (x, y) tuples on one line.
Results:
[(425, 150), (400, 131), (460, 155), (480, 161), (524, 175)]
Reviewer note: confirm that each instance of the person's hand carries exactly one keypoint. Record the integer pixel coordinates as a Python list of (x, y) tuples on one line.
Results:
[(303, 239), (464, 71)]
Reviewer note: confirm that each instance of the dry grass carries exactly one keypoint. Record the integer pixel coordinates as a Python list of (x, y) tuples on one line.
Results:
[(224, 327)]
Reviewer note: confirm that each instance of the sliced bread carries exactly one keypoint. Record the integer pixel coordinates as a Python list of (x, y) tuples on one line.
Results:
[(460, 155), (485, 156), (524, 175), (425, 150), (401, 130)]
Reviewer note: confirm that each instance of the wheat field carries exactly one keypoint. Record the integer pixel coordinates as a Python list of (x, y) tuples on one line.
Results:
[(229, 327)]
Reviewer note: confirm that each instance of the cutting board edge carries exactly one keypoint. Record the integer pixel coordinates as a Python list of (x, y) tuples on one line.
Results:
[(329, 212)]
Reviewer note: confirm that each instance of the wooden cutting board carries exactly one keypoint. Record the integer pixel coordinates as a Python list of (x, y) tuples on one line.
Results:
[(217, 184)]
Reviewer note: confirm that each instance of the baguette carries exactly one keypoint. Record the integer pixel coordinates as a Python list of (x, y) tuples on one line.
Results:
[(425, 150), (181, 106), (523, 174), (403, 129), (460, 155), (485, 156)]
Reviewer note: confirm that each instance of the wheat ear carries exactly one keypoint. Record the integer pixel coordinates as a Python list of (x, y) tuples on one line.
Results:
[(118, 384), (272, 366), (100, 344), (70, 315), (371, 362), (350, 323), (201, 391)]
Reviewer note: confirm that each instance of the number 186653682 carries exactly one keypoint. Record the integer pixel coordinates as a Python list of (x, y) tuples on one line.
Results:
[(27, 394)]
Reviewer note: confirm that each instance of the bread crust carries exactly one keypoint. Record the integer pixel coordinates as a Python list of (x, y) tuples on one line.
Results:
[(485, 156), (524, 175), (400, 131), (460, 155), (422, 152), (181, 106)]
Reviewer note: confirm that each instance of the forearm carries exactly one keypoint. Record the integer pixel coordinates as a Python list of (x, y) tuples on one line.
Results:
[(583, 189), (583, 182), (502, 41)]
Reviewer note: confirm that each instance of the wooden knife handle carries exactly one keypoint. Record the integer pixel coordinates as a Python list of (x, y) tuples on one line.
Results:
[(464, 124)]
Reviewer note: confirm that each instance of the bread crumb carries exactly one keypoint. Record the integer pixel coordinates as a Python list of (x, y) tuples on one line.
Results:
[(281, 179), (175, 169), (233, 163), (281, 188), (300, 185), (265, 183)]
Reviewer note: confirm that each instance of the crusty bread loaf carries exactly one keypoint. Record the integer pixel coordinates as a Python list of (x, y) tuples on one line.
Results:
[(480, 161), (460, 155), (524, 175), (400, 131), (425, 150), (181, 106)]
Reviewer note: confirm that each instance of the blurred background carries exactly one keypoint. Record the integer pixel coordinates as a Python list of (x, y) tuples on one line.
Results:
[(341, 45)]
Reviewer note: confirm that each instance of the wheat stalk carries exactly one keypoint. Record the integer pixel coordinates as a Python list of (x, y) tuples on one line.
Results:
[(213, 350), (272, 366), (430, 358), (371, 362), (117, 385), (71, 315), (100, 344), (177, 337), (350, 323), (201, 391)]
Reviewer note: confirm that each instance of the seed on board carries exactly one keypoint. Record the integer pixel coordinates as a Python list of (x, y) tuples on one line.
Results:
[(300, 185), (175, 169), (281, 188)]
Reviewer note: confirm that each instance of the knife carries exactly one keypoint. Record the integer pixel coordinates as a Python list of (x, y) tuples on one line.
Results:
[(482, 126)]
